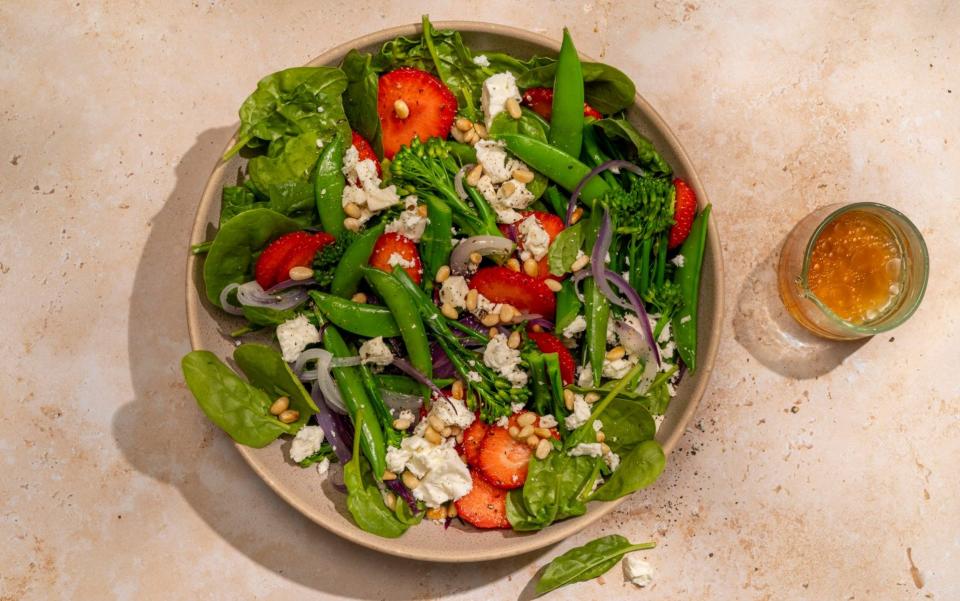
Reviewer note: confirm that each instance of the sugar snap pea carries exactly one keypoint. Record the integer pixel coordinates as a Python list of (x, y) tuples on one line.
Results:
[(687, 277), (357, 318), (556, 165), (566, 121), (437, 240), (328, 183), (346, 278)]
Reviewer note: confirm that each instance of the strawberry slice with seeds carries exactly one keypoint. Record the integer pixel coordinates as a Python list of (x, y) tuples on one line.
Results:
[(365, 151), (553, 225), (396, 249), (503, 460), (413, 104), (472, 438), (548, 343), (540, 101), (485, 506), (295, 249), (502, 285), (684, 210)]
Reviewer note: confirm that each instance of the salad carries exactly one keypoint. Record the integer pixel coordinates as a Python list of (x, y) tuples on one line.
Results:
[(479, 282)]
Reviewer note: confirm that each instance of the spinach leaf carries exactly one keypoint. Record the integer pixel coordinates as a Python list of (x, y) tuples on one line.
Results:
[(360, 97), (235, 200), (283, 175), (405, 515), (587, 562), (640, 149), (555, 489), (606, 89), (565, 248), (263, 316), (364, 499), (638, 468), (231, 255), (568, 304), (626, 424), (324, 452), (574, 484), (267, 370), (237, 408)]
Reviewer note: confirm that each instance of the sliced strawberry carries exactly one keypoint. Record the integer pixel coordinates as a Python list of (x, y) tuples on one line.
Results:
[(394, 249), (685, 208), (502, 285), (365, 151), (472, 437), (302, 255), (503, 460), (553, 226), (431, 107), (548, 343), (540, 101), (295, 249), (485, 506)]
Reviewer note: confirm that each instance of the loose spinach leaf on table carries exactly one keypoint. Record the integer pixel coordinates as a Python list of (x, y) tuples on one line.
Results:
[(360, 97), (639, 148), (606, 88), (236, 407), (231, 256), (587, 562), (267, 370), (638, 468)]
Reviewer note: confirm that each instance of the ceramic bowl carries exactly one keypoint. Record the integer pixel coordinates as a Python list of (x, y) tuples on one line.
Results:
[(317, 498)]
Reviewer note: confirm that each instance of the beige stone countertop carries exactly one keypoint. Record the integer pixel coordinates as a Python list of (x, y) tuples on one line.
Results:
[(809, 471)]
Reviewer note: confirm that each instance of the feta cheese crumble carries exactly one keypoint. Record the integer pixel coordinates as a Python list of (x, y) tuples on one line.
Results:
[(505, 360), (306, 443), (535, 239), (497, 89), (481, 60), (453, 412), (294, 335), (409, 224), (637, 571), (323, 467), (397, 259), (516, 407), (678, 260), (548, 421), (454, 291), (443, 476), (503, 422), (586, 449), (577, 326), (375, 351), (580, 415), (368, 195)]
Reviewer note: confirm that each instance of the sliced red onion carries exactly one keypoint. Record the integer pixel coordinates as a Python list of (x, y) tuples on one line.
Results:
[(404, 493), (225, 301), (614, 164), (252, 295), (401, 401), (414, 373), (636, 305), (484, 245), (543, 322), (289, 283), (512, 232), (442, 366), (334, 429), (458, 181), (328, 387)]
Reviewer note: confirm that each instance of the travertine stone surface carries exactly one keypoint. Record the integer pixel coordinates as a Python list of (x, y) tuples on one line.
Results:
[(811, 469)]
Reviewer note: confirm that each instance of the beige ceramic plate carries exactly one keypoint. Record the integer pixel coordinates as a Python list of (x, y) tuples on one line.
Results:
[(326, 506)]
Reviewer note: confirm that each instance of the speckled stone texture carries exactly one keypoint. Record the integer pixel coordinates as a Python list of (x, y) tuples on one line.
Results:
[(811, 470)]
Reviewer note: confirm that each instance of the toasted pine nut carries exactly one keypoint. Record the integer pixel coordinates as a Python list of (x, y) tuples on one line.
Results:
[(300, 273), (409, 480), (506, 313), (526, 419), (460, 438), (435, 422), (537, 328), (464, 124), (531, 268), (359, 297), (507, 189), (513, 431), (513, 341), (388, 475), (401, 109), (601, 436), (615, 353), (490, 319), (481, 130), (422, 210), (513, 107), (474, 176), (436, 513), (493, 332), (390, 500), (352, 210), (471, 137), (523, 176), (447, 432), (280, 405), (580, 263), (451, 510), (442, 274), (568, 398), (401, 424), (513, 264), (525, 431), (475, 258), (532, 441), (577, 214), (604, 448), (289, 416), (543, 432), (454, 430), (432, 436), (473, 297), (543, 449), (352, 224), (553, 285), (457, 390), (449, 311), (591, 397)]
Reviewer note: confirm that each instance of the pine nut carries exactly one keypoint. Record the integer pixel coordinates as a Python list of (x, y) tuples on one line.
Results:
[(513, 264), (481, 130), (422, 210), (352, 224), (493, 332), (536, 328), (432, 436), (388, 475), (506, 313), (471, 137), (615, 353), (464, 124), (289, 416), (514, 340), (457, 390), (507, 189), (526, 419), (390, 500), (525, 431), (473, 178), (591, 397), (359, 297), (460, 438), (435, 422), (580, 263), (449, 311), (455, 430), (532, 441), (513, 431), (601, 436), (401, 424), (436, 513), (577, 214), (451, 510), (523, 176), (280, 405), (490, 319), (513, 107), (442, 274), (568, 398), (401, 109), (531, 268), (352, 210), (300, 273), (409, 480), (553, 285), (473, 298), (447, 432), (543, 449), (475, 258), (543, 432), (604, 448)]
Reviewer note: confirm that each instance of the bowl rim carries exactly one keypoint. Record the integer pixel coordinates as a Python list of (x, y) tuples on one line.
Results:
[(534, 541)]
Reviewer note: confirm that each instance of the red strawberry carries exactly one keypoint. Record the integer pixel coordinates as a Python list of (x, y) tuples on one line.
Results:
[(684, 209), (431, 106), (503, 460), (485, 506), (553, 225), (392, 244), (365, 151), (548, 343), (295, 249), (501, 285), (472, 437), (540, 100)]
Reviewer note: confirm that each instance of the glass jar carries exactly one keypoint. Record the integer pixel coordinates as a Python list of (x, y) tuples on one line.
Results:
[(908, 272)]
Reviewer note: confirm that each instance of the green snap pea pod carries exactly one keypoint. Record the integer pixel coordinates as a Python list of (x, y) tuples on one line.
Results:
[(346, 278), (357, 318), (354, 394), (484, 210), (557, 203), (541, 400), (566, 121), (464, 152), (687, 279), (328, 183), (392, 437), (596, 157), (598, 314), (551, 363), (557, 165), (395, 383), (437, 240)]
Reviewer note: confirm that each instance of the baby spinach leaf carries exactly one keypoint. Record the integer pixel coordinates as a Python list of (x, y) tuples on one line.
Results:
[(235, 200), (519, 516), (565, 248), (364, 499), (606, 88), (231, 255), (360, 97), (587, 562), (574, 485), (324, 452), (568, 305), (638, 468), (639, 148), (263, 316), (283, 175), (626, 424), (239, 409), (405, 515), (267, 370)]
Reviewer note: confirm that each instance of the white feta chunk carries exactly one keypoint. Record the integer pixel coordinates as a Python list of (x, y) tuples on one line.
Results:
[(398, 259), (586, 449), (375, 351), (577, 326), (535, 239), (306, 443), (363, 186), (481, 60), (505, 360), (516, 407), (323, 467), (454, 291), (678, 260), (409, 224), (443, 476), (580, 415), (548, 421), (295, 335), (497, 89), (637, 571), (453, 412)]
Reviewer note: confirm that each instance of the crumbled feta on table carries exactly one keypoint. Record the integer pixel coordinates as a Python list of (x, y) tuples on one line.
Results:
[(637, 571)]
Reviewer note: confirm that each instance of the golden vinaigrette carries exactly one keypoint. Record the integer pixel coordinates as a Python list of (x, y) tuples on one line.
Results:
[(855, 266)]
